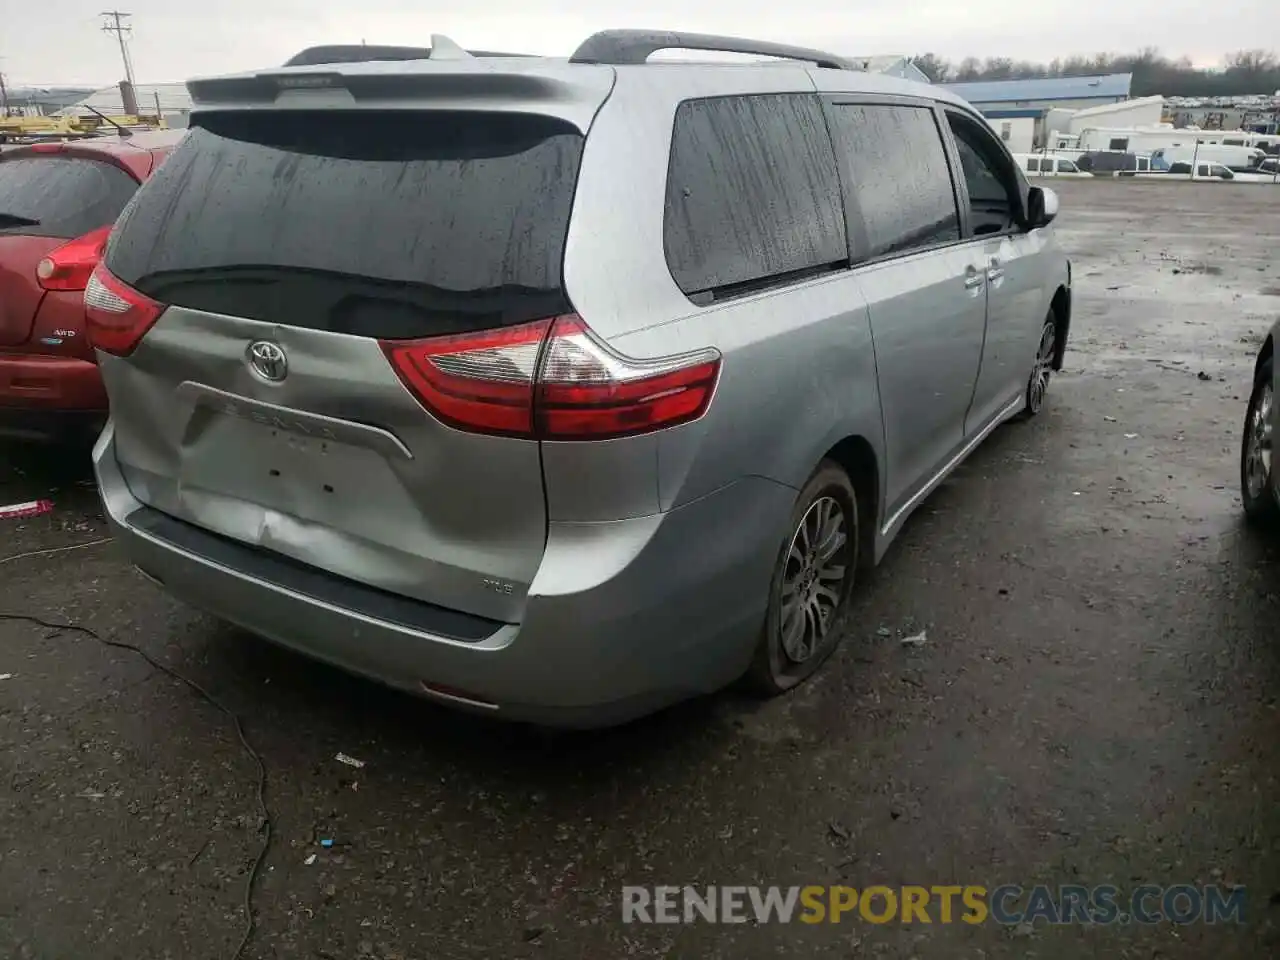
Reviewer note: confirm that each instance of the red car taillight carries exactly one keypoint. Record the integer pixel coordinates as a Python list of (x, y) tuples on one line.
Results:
[(552, 380), (69, 266), (117, 316)]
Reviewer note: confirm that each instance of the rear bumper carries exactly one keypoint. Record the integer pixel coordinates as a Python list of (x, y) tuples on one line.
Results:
[(623, 617), (50, 398)]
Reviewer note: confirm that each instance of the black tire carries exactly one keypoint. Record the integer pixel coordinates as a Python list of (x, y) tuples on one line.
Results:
[(1260, 506), (1042, 368), (773, 670)]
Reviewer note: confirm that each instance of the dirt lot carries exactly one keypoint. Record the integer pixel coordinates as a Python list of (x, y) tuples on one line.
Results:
[(1095, 703)]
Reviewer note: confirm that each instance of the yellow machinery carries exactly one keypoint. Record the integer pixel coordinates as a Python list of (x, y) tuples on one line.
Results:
[(23, 128)]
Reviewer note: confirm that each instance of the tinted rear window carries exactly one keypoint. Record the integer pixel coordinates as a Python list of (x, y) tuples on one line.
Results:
[(753, 197), (375, 224), (64, 196), (894, 167)]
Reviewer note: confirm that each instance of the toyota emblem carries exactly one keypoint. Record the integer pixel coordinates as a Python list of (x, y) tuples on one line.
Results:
[(268, 360)]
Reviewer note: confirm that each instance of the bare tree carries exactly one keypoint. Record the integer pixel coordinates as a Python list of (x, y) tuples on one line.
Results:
[(933, 67), (970, 69), (1247, 71), (1251, 61)]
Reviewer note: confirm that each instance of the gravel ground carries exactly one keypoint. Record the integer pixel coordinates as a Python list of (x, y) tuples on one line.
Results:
[(1095, 702)]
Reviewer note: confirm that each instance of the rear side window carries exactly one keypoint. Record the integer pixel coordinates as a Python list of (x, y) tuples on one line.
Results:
[(894, 164), (1033, 165), (378, 224), (753, 199), (54, 196)]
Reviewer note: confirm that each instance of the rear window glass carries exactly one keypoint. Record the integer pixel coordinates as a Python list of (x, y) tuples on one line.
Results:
[(894, 166), (753, 197), (54, 196), (382, 224)]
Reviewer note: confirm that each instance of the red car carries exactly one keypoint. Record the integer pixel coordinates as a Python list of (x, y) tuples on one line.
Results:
[(58, 202)]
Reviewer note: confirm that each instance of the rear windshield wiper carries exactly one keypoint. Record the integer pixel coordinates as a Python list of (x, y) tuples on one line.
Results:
[(17, 220)]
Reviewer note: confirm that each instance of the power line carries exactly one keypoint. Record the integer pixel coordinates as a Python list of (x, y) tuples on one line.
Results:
[(115, 24)]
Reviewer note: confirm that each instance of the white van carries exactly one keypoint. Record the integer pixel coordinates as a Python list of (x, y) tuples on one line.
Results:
[(1240, 159), (1048, 165), (1203, 171)]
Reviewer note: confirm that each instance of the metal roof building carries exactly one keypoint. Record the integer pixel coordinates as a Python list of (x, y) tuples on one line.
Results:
[(174, 100), (894, 66), (1071, 92)]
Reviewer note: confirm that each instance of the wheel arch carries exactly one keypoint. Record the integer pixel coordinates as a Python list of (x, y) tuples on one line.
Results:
[(1264, 354), (1061, 307), (857, 457)]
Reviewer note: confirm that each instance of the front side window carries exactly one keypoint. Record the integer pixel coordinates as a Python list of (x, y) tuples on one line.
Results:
[(1066, 166), (753, 199), (893, 166), (993, 188)]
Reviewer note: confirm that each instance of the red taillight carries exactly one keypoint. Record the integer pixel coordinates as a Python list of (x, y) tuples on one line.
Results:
[(481, 382), (553, 380), (68, 267), (588, 392), (117, 316)]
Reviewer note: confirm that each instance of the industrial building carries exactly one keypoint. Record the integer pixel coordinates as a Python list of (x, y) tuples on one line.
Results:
[(1073, 93), (1025, 112)]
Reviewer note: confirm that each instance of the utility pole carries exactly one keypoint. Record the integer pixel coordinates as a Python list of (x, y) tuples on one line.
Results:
[(4, 97), (115, 24)]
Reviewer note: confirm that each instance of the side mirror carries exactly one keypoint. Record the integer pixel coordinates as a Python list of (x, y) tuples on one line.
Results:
[(1042, 207)]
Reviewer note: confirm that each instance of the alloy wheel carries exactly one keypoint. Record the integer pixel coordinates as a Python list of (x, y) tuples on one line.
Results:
[(1257, 453), (814, 579), (1044, 367)]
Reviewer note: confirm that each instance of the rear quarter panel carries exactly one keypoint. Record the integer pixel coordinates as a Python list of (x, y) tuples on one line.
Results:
[(798, 370)]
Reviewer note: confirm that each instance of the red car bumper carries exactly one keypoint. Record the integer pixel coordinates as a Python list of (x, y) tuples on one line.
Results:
[(50, 398)]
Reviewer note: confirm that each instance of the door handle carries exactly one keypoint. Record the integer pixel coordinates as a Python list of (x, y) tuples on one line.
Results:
[(973, 280), (994, 270)]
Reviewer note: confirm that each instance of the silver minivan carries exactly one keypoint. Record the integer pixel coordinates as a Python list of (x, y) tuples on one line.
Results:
[(561, 389)]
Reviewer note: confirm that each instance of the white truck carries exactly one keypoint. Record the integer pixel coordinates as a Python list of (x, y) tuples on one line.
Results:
[(1211, 170), (1048, 165), (1149, 139)]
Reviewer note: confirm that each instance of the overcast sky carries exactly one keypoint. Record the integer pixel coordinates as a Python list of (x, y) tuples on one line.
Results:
[(59, 41)]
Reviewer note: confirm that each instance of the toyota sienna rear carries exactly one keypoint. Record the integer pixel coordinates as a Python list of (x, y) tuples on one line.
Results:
[(479, 376)]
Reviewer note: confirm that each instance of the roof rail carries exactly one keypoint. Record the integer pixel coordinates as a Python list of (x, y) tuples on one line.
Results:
[(444, 49), (621, 47)]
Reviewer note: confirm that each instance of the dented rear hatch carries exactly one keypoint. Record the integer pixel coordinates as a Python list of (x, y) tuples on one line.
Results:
[(290, 249)]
